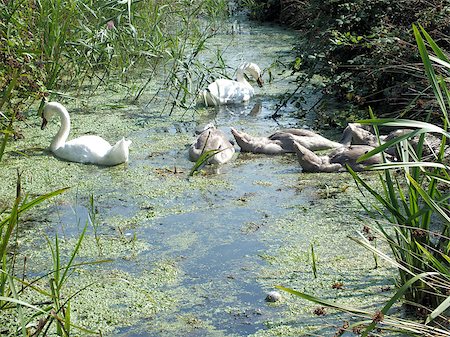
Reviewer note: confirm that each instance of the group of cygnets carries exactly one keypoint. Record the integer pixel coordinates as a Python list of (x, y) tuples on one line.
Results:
[(299, 141), (356, 139)]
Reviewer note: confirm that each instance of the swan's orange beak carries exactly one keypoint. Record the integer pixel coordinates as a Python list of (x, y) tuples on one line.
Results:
[(260, 82), (44, 123)]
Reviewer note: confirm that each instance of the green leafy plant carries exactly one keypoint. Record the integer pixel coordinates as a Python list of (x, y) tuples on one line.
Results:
[(9, 296), (56, 311), (314, 261), (203, 160)]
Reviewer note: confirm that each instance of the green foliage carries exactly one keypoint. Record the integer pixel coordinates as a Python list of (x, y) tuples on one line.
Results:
[(203, 160), (419, 209), (15, 288), (54, 45), (9, 296), (411, 211), (416, 201), (314, 261), (367, 47), (348, 39)]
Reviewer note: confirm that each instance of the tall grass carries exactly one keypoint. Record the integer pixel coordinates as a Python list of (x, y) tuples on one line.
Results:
[(9, 296), (419, 207), (411, 210), (52, 46), (52, 315)]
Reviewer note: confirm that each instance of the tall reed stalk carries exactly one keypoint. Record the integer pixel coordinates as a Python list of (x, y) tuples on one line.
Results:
[(54, 314)]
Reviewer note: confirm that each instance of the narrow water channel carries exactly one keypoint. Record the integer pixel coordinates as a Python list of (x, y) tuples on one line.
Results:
[(197, 256)]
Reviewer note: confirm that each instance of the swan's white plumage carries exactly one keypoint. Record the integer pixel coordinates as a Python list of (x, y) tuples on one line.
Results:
[(225, 91), (85, 149)]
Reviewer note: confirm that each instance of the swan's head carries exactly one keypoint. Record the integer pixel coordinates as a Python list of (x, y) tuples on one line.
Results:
[(50, 109), (253, 70)]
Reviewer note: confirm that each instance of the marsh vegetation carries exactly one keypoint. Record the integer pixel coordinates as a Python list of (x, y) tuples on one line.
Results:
[(150, 248)]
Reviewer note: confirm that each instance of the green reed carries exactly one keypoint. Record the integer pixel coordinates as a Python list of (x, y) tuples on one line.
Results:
[(53, 46), (314, 261), (52, 315), (416, 200), (9, 225), (411, 212)]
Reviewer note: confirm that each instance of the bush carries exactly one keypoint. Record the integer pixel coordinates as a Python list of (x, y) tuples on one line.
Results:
[(365, 48)]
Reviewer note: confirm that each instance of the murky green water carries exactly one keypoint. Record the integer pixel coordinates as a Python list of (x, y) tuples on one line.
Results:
[(196, 256)]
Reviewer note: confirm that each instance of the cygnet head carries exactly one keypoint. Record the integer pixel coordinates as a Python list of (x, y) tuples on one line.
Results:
[(254, 70), (50, 109), (209, 126)]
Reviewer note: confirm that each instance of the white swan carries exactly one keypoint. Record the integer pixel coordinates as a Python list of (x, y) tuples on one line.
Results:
[(85, 149), (212, 139), (225, 91)]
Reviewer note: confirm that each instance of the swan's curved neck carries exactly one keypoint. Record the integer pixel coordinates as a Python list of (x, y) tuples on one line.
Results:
[(241, 78), (60, 138)]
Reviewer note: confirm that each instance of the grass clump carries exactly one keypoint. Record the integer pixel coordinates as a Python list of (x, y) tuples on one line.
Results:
[(43, 302)]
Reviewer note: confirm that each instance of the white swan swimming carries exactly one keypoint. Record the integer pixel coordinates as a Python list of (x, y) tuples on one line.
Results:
[(85, 149), (212, 139), (225, 91)]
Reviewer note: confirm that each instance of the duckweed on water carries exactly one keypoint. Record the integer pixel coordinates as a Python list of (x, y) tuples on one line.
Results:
[(168, 277), (192, 256), (116, 298), (325, 224)]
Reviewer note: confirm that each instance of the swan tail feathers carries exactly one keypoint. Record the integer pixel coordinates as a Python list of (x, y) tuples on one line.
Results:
[(118, 153)]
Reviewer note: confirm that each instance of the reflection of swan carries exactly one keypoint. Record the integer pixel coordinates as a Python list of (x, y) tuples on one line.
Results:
[(212, 139), (85, 149), (282, 141), (336, 160), (225, 91)]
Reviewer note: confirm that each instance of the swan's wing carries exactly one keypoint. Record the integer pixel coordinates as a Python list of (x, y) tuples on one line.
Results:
[(285, 140), (211, 139), (117, 154), (349, 155), (248, 143), (85, 149), (295, 132), (90, 141)]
